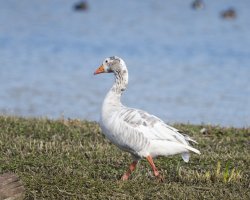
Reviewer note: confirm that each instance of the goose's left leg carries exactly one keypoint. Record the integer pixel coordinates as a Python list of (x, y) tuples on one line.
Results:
[(156, 172), (132, 167)]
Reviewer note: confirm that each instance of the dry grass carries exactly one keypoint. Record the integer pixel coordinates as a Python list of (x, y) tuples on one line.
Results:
[(70, 159)]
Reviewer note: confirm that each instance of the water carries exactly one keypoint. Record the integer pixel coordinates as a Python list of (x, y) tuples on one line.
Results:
[(185, 65)]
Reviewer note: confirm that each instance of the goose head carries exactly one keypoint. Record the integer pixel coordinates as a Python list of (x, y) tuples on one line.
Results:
[(118, 67), (112, 64)]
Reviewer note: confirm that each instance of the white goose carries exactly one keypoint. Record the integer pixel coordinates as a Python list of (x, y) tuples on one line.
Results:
[(136, 131)]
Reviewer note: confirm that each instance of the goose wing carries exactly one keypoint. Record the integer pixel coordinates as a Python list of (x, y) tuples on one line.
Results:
[(151, 126)]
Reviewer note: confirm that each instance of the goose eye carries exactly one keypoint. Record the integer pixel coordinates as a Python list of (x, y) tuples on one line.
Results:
[(106, 61)]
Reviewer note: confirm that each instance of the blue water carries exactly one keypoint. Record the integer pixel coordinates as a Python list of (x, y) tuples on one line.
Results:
[(185, 65)]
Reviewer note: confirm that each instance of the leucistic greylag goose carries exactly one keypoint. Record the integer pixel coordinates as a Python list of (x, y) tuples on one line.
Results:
[(136, 131)]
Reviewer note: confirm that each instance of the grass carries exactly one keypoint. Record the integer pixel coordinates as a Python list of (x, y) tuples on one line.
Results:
[(70, 159)]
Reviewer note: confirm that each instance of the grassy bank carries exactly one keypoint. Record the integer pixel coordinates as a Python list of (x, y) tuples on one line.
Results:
[(70, 159)]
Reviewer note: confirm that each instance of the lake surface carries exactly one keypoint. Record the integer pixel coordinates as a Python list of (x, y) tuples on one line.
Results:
[(185, 65)]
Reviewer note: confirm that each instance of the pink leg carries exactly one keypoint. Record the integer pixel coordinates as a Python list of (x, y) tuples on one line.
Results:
[(156, 172), (132, 167)]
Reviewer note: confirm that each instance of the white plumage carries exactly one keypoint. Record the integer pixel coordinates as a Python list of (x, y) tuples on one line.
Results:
[(136, 131)]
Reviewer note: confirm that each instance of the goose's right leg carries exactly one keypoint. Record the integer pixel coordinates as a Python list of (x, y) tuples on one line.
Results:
[(156, 172)]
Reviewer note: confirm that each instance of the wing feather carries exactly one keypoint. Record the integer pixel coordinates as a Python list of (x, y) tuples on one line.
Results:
[(151, 126)]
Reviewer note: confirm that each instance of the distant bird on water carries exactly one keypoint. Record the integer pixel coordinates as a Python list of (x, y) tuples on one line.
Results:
[(198, 4), (136, 131), (228, 14), (82, 5)]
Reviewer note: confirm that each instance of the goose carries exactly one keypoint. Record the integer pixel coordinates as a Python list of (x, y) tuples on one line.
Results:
[(135, 131)]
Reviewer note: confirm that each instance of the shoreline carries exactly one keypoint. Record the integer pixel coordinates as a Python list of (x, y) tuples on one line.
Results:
[(62, 118)]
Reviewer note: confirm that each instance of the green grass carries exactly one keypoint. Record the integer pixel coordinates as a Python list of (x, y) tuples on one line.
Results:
[(70, 159)]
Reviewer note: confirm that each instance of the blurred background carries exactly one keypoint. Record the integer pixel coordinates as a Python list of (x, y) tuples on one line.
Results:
[(188, 61)]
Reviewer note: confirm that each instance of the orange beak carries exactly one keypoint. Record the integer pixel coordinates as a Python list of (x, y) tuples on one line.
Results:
[(99, 70)]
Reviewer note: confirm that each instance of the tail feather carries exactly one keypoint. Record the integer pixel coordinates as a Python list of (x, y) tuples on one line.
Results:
[(185, 156), (189, 139), (193, 149)]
